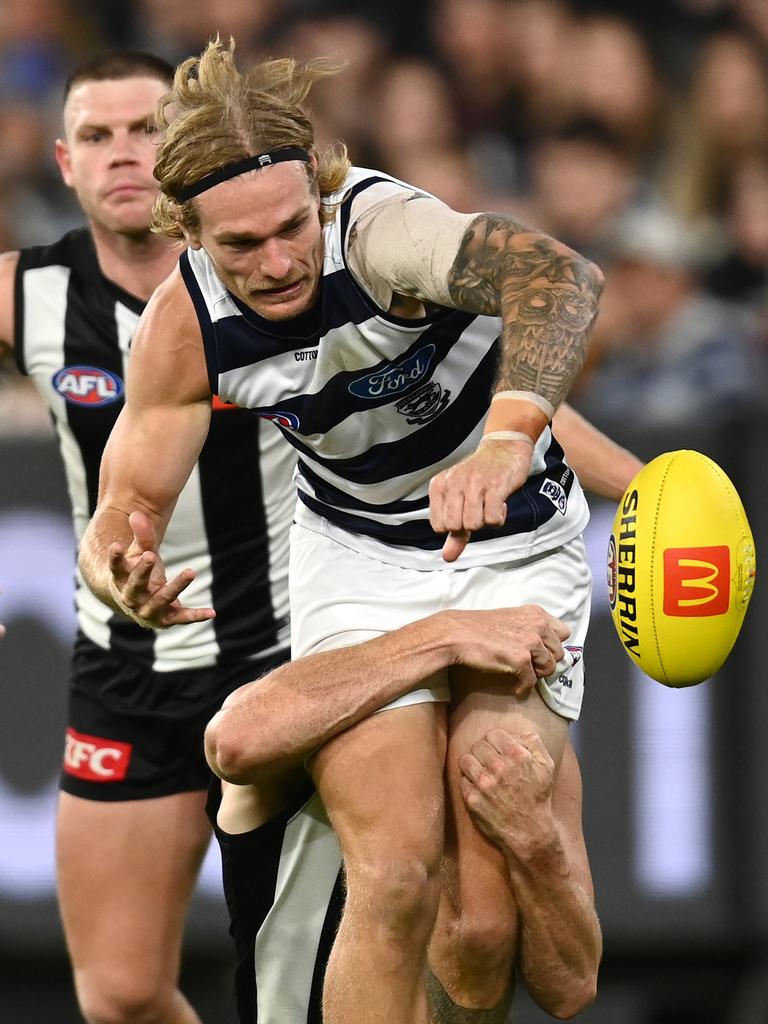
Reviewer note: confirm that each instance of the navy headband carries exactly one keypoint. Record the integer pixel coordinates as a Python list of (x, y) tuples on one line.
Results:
[(250, 163)]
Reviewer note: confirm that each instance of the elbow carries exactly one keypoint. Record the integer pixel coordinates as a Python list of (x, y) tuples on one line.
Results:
[(592, 282), (227, 755), (596, 275), (573, 999), (576, 1002)]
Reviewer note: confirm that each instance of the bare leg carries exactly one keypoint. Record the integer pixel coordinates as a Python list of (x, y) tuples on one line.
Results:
[(126, 872), (382, 786), (474, 944)]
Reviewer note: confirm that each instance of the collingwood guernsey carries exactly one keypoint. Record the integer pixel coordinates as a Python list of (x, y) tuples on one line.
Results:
[(73, 332), (376, 405)]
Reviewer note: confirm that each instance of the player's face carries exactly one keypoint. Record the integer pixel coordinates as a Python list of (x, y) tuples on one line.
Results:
[(262, 231), (109, 151)]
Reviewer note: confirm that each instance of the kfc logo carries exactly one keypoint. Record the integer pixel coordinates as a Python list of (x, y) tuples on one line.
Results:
[(94, 758), (697, 581)]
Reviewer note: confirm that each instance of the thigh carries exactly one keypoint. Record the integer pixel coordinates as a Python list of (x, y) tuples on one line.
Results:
[(382, 783), (476, 874), (126, 872)]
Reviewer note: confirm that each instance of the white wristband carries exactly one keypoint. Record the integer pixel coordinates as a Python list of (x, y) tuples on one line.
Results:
[(528, 396), (506, 435)]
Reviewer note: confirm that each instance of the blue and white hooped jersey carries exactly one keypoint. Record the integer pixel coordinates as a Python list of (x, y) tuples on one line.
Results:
[(376, 405)]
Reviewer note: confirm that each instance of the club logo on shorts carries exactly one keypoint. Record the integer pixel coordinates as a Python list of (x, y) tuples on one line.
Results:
[(95, 758), (576, 654), (88, 385), (697, 581), (282, 419), (396, 378), (556, 493)]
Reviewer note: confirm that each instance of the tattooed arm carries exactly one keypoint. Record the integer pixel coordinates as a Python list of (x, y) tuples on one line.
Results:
[(546, 295)]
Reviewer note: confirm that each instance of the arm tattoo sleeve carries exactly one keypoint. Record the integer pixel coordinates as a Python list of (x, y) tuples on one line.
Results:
[(545, 293)]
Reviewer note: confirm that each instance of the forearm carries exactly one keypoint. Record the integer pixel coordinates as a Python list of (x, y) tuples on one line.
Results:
[(560, 938), (274, 723), (547, 296), (602, 466)]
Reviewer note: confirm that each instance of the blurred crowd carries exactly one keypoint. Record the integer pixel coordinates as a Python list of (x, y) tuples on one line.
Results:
[(634, 130)]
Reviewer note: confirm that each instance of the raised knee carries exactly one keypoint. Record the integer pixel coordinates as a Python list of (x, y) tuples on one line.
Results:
[(122, 998)]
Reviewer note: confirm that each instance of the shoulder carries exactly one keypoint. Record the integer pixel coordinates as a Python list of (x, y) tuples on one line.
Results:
[(167, 350), (9, 261), (170, 309)]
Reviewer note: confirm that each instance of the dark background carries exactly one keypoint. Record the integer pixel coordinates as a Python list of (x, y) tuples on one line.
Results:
[(674, 785)]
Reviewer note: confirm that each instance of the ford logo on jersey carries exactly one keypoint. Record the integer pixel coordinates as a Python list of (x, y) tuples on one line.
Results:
[(394, 380), (88, 385)]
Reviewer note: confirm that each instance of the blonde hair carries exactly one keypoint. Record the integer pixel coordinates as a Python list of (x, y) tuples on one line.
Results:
[(214, 115)]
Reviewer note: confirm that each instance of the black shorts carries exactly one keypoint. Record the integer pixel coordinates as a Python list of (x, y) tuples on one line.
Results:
[(134, 733)]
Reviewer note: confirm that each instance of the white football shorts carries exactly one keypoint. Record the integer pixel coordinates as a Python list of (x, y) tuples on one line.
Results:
[(341, 597)]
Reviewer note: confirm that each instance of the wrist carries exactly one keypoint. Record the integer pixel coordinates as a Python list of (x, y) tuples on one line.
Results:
[(448, 636), (510, 412), (539, 848), (506, 435)]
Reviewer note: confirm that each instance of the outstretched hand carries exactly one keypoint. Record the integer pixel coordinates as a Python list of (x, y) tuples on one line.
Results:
[(473, 493), (138, 583)]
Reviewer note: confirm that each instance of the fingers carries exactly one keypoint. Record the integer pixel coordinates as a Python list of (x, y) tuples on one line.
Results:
[(454, 545), (525, 742), (156, 607), (498, 750), (135, 586), (144, 533), (163, 606), (473, 493)]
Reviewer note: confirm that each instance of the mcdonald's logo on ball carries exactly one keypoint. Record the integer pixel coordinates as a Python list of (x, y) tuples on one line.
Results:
[(697, 580)]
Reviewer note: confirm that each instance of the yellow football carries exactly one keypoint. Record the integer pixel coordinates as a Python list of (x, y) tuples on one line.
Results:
[(681, 568)]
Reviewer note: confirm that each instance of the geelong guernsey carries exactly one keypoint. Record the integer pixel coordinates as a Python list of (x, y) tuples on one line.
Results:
[(72, 337), (376, 405)]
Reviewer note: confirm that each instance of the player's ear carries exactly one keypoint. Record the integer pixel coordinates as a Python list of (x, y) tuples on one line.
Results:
[(61, 152), (190, 238)]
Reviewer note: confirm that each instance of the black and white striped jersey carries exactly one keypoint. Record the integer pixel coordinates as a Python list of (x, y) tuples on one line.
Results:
[(73, 331), (376, 405)]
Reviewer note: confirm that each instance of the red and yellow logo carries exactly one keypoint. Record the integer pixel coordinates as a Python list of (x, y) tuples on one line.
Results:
[(697, 581)]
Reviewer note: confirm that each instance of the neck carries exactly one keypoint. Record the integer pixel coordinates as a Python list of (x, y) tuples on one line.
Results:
[(137, 263)]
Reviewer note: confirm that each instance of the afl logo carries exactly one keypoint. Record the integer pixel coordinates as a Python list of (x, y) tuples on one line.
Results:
[(282, 419), (88, 385), (613, 567)]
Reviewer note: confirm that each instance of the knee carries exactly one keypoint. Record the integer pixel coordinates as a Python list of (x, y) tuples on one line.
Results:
[(485, 939), (400, 893), (121, 997)]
